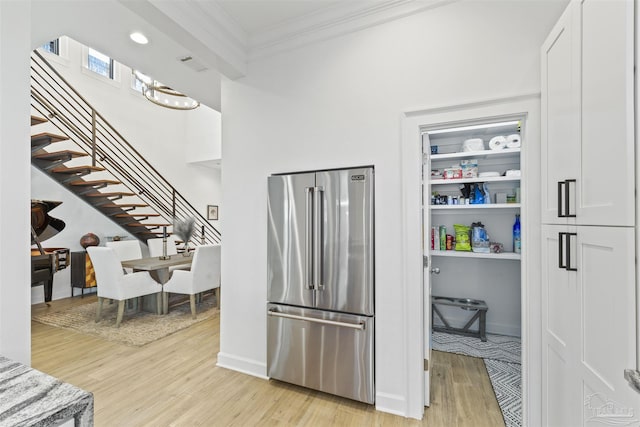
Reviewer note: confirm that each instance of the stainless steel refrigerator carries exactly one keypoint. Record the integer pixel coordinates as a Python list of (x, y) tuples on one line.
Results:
[(320, 328)]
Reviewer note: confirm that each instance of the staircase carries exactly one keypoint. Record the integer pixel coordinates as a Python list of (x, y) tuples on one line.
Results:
[(73, 144)]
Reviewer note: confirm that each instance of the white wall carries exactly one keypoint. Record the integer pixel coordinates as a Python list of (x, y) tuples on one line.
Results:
[(338, 103), (15, 326), (203, 126)]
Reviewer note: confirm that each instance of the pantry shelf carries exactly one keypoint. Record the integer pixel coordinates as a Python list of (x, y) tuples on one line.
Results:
[(461, 254), (507, 152), (475, 207), (472, 180)]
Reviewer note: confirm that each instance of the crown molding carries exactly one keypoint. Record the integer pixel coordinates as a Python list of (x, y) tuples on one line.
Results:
[(340, 19), (208, 33)]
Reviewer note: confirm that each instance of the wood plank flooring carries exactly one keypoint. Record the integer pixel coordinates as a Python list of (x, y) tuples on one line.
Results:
[(175, 382)]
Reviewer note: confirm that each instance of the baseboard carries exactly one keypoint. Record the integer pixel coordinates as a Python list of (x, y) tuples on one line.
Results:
[(492, 328), (391, 403), (242, 364), (502, 329)]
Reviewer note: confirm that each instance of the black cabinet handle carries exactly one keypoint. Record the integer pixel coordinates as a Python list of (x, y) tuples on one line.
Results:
[(565, 239), (567, 190), (567, 210), (560, 214), (568, 237), (561, 250)]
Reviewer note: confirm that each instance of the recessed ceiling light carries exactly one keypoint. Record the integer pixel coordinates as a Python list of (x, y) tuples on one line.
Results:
[(139, 38)]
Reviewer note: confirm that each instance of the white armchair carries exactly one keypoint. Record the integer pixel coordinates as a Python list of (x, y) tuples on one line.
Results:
[(204, 276), (114, 284), (155, 246), (126, 250)]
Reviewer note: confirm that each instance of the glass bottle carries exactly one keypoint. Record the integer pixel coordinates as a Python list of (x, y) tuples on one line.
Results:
[(517, 243)]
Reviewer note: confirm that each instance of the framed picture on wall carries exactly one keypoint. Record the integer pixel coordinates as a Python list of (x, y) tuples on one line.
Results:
[(212, 212)]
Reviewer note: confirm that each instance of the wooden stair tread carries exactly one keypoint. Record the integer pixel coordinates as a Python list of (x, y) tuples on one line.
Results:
[(115, 194), (142, 224), (154, 233), (77, 169), (124, 205), (133, 215), (54, 155), (48, 135), (35, 120), (84, 183)]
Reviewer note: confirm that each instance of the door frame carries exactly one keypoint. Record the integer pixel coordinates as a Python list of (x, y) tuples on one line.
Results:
[(412, 124)]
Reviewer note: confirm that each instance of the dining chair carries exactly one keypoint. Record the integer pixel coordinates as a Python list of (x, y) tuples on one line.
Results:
[(203, 276), (126, 250), (113, 284), (155, 250), (155, 246)]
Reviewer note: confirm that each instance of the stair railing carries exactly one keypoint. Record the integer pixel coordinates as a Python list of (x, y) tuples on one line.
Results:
[(54, 98)]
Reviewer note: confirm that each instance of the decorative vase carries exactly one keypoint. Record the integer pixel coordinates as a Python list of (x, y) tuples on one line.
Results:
[(186, 249), (89, 239)]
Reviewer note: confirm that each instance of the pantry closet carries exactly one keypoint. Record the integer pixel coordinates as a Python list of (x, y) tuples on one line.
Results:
[(489, 147)]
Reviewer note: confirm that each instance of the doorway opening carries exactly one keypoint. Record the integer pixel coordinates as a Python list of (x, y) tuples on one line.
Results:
[(517, 311), (472, 220)]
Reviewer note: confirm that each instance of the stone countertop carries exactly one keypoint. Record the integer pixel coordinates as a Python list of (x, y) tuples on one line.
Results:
[(29, 397)]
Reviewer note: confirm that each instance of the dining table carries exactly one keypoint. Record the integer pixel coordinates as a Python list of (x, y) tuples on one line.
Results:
[(160, 270)]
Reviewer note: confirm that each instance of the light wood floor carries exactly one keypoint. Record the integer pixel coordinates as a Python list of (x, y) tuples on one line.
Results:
[(175, 382)]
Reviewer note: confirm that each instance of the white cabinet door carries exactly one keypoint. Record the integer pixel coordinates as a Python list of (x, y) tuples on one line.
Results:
[(560, 390), (588, 148), (605, 190), (607, 318), (560, 156), (589, 329)]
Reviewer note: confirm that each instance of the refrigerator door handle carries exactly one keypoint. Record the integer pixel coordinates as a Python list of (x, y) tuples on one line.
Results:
[(308, 238), (318, 217), (359, 326)]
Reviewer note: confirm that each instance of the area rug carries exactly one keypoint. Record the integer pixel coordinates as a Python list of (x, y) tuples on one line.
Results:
[(502, 358), (137, 328)]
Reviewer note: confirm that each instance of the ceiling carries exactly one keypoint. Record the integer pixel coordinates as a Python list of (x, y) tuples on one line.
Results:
[(221, 36)]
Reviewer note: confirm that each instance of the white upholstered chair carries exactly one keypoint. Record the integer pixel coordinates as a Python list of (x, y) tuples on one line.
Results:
[(114, 284), (126, 250), (155, 246), (203, 276)]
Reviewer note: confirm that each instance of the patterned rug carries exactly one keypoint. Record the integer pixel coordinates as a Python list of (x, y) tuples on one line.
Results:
[(501, 356), (137, 328)]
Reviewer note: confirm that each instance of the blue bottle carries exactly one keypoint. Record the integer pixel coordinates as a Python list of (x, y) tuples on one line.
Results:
[(517, 243)]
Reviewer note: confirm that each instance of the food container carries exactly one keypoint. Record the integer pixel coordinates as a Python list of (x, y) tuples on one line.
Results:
[(453, 173), (469, 168)]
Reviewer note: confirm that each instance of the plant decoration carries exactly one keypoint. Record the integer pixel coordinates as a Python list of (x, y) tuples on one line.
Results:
[(184, 230)]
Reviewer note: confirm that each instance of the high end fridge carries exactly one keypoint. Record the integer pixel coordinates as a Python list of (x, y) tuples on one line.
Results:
[(320, 309)]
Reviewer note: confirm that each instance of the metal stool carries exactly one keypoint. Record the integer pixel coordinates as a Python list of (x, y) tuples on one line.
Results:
[(479, 306)]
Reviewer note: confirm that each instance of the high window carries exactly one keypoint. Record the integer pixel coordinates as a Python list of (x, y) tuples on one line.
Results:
[(53, 46), (139, 81), (100, 63)]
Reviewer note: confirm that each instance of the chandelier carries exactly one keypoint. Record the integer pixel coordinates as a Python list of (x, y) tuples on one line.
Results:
[(163, 95)]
